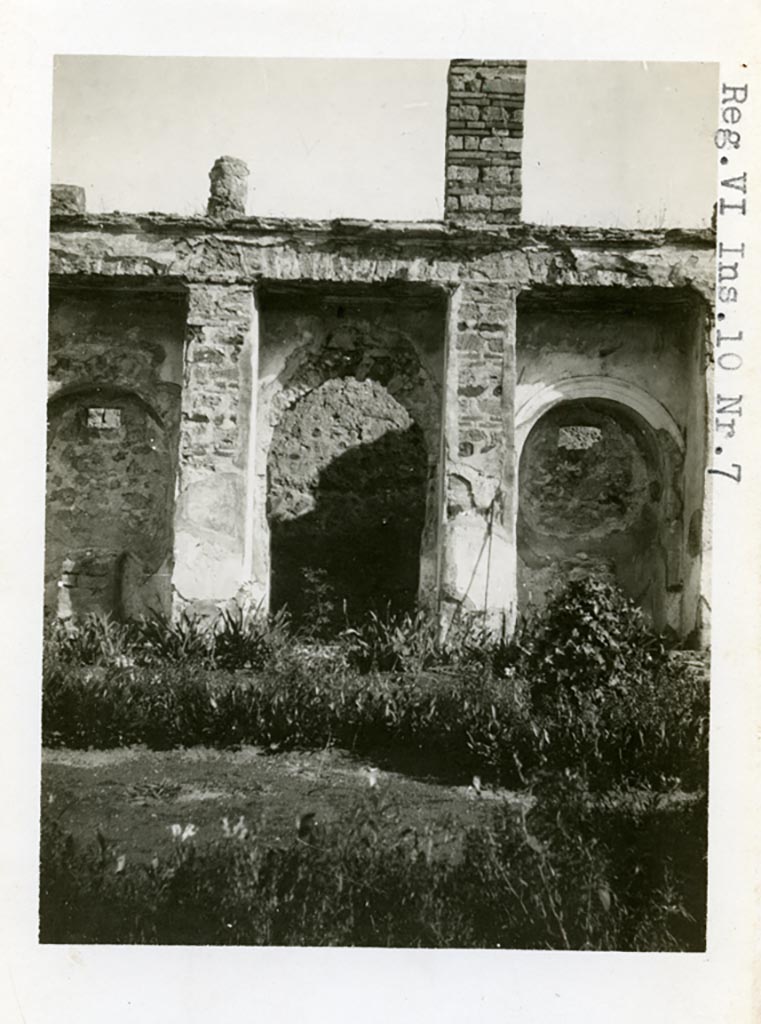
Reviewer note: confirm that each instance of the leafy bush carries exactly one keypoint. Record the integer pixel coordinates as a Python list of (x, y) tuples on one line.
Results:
[(568, 874), (235, 638), (322, 615), (461, 723), (591, 636), (188, 638)]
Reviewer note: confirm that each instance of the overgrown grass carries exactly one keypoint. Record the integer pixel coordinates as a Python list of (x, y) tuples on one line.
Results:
[(237, 638), (587, 688), (583, 707), (575, 873), (467, 722)]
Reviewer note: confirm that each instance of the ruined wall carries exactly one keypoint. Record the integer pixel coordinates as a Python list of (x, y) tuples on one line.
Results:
[(115, 360), (484, 141), (348, 442), (479, 278), (626, 367)]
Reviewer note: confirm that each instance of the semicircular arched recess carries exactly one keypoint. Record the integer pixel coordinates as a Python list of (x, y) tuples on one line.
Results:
[(609, 388), (104, 393), (356, 352), (111, 465), (599, 494)]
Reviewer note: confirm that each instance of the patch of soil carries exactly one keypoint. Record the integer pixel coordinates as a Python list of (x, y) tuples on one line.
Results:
[(134, 795)]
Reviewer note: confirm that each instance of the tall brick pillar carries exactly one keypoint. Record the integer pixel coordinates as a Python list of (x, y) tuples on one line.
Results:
[(213, 509), (479, 554), (484, 140), (483, 190)]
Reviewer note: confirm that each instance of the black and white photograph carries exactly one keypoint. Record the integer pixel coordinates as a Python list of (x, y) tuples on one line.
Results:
[(377, 557), (380, 555)]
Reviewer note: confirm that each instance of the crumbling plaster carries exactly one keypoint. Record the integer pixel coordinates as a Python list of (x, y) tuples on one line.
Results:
[(479, 273), (110, 490)]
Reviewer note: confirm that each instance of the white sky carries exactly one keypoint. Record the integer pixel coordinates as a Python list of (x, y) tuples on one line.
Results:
[(611, 144)]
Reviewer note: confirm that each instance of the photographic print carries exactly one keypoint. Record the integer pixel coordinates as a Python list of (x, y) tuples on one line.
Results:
[(378, 514)]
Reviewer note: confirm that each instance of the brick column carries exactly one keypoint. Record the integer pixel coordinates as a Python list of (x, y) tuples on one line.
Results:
[(484, 141), (213, 514), (479, 554)]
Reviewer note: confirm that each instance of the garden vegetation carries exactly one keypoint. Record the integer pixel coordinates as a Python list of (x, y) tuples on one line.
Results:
[(584, 708)]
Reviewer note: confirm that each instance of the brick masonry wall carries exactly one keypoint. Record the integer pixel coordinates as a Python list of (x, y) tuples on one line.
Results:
[(478, 561), (484, 141), (212, 513)]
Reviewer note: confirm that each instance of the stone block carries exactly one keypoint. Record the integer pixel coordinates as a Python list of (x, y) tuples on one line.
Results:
[(67, 201), (506, 204), (474, 203), (498, 175), (497, 114), (464, 113), (509, 85), (470, 340), (210, 304), (458, 172), (501, 143)]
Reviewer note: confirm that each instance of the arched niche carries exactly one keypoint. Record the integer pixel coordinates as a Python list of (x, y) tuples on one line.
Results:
[(384, 396), (600, 492), (111, 464), (611, 389)]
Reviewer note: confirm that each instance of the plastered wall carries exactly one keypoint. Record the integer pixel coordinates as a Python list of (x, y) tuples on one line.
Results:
[(115, 361), (622, 505)]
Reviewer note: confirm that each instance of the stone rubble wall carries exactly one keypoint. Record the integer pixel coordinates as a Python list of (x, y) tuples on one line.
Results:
[(115, 365)]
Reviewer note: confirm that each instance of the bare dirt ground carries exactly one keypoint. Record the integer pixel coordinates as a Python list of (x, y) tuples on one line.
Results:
[(134, 795)]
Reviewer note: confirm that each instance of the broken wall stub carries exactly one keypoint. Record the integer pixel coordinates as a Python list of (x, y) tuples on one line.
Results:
[(228, 191), (348, 444), (484, 142), (113, 421)]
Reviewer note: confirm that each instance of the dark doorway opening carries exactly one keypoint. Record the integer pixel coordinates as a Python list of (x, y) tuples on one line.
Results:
[(347, 481)]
